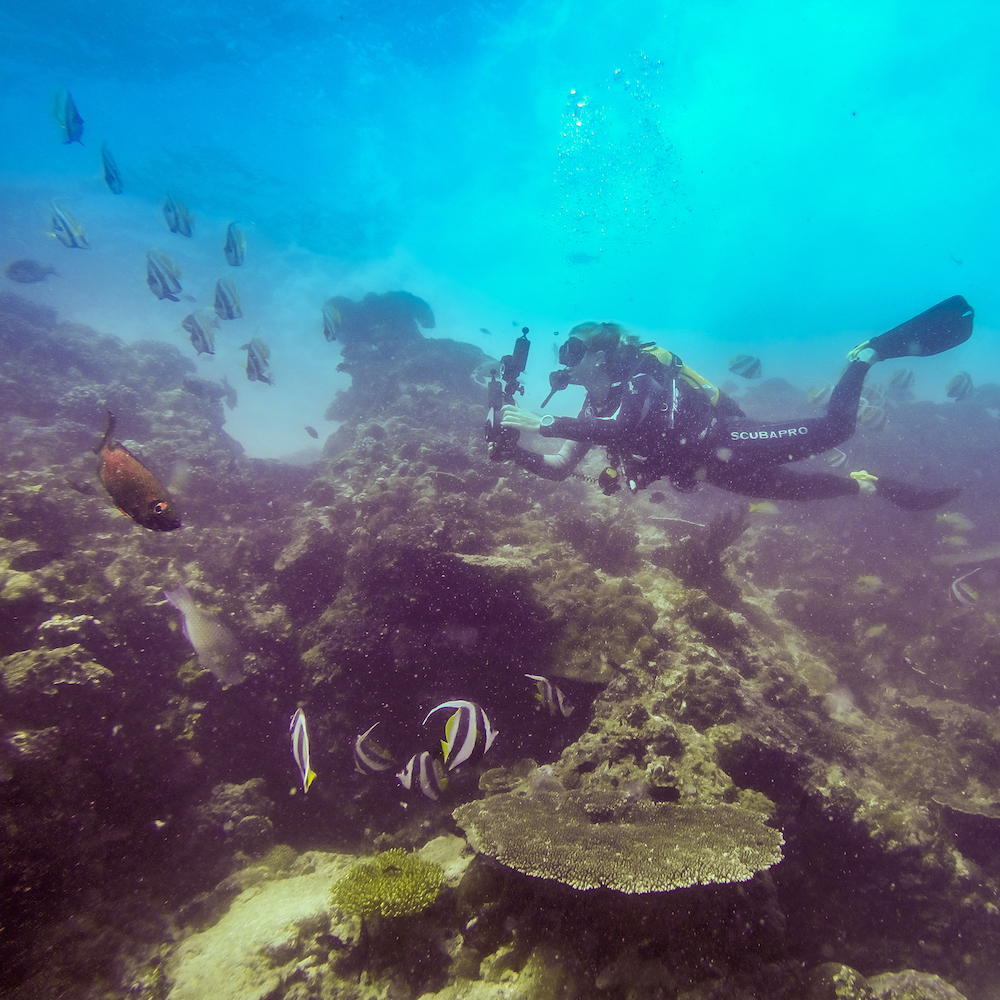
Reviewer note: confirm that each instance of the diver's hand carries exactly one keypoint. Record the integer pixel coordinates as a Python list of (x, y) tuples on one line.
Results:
[(521, 420)]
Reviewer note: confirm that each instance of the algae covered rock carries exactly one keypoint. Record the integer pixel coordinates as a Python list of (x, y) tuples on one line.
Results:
[(607, 840)]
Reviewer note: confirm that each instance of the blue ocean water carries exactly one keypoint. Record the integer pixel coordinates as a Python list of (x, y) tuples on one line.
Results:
[(771, 177)]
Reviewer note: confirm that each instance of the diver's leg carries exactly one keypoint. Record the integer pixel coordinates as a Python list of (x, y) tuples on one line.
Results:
[(778, 483), (748, 442)]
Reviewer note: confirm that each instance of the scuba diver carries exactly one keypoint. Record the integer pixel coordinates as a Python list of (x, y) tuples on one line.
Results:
[(659, 419)]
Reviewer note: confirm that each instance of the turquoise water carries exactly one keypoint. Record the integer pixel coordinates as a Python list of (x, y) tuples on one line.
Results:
[(774, 178)]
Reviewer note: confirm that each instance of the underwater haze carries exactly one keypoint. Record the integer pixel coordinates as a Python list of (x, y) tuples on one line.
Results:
[(775, 178)]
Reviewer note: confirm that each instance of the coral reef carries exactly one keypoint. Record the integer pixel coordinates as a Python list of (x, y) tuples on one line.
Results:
[(808, 665), (611, 841), (393, 883)]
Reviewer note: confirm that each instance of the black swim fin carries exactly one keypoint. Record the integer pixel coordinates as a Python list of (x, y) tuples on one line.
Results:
[(940, 328), (914, 497)]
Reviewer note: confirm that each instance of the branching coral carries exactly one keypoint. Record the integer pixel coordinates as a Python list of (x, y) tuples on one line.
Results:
[(608, 840)]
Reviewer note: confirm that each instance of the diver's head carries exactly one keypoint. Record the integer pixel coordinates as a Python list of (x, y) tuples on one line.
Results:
[(590, 356)]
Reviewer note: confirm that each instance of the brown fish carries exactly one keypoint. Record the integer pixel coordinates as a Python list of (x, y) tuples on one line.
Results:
[(134, 489)]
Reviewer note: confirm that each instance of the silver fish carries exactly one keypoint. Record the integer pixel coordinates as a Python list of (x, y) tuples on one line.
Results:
[(236, 245), (162, 276), (179, 219), (67, 230), (467, 733), (227, 300), (199, 325), (426, 772), (214, 645), (331, 321), (257, 364), (961, 592), (300, 748), (369, 756), (835, 458), (68, 117), (550, 696)]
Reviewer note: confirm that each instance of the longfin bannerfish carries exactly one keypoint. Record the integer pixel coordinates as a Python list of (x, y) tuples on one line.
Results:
[(257, 364), (199, 325), (68, 116), (550, 697), (111, 175), (179, 218), (331, 321), (746, 365), (134, 489), (163, 276), (67, 230), (426, 772), (369, 756), (467, 733), (958, 386), (227, 300), (902, 379), (236, 245), (300, 748)]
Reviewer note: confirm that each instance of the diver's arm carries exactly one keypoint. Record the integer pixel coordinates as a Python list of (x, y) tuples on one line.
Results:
[(557, 466)]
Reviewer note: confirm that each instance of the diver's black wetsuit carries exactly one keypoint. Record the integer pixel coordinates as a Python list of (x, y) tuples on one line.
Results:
[(674, 431)]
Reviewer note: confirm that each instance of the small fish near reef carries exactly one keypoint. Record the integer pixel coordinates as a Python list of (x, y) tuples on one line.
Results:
[(163, 276), (112, 177), (300, 748), (958, 386), (27, 272), (214, 645), (179, 218), (199, 325), (426, 772), (67, 230), (227, 300), (257, 364), (312, 432), (371, 757), (819, 395), (331, 321), (901, 380), (228, 393), (66, 114), (746, 365), (467, 733), (236, 245), (550, 697), (134, 489), (962, 592)]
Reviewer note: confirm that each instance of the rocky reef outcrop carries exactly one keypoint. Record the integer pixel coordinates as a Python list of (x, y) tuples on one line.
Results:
[(811, 668)]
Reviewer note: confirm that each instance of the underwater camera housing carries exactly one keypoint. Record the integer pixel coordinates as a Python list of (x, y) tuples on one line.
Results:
[(511, 368)]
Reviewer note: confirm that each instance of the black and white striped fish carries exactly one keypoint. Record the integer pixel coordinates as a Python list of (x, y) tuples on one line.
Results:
[(162, 276), (300, 748), (467, 733), (236, 245), (425, 772), (227, 300), (369, 756), (550, 696)]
